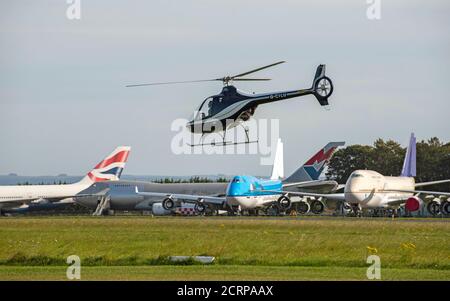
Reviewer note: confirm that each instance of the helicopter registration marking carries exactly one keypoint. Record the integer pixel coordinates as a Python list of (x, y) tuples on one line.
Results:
[(279, 95)]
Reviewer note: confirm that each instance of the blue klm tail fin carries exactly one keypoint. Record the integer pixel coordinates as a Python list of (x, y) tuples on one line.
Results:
[(409, 165)]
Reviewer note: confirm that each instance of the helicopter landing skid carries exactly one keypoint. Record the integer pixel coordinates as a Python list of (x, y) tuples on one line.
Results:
[(225, 143)]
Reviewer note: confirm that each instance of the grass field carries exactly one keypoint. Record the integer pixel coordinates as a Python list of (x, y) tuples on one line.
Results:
[(245, 248)]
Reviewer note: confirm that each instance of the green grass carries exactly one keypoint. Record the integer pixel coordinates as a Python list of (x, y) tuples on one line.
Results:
[(215, 272), (257, 248)]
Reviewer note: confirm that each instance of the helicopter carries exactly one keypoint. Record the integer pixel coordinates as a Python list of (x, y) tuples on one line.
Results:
[(231, 107)]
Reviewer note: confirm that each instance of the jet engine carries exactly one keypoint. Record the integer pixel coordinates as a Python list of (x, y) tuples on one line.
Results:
[(445, 207), (317, 207), (433, 207), (40, 201), (284, 202), (168, 204), (200, 207), (157, 209), (303, 207), (346, 208), (413, 204)]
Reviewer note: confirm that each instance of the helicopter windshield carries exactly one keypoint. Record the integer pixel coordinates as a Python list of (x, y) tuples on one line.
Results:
[(209, 107)]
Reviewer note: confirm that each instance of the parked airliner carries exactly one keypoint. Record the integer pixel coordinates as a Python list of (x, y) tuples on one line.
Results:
[(370, 189), (109, 169), (248, 192)]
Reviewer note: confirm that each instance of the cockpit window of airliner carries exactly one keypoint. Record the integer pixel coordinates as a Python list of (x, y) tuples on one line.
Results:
[(357, 175)]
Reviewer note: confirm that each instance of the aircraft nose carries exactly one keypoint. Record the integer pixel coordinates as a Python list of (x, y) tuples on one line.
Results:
[(352, 197), (232, 189), (235, 187), (351, 192), (233, 201)]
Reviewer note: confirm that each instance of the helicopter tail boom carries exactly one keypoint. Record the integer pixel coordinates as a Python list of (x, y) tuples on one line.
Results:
[(322, 86)]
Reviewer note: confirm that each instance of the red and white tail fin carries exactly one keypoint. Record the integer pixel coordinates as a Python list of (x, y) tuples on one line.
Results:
[(110, 168), (311, 170)]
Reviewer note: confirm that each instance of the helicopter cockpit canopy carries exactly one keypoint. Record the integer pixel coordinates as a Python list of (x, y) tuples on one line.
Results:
[(209, 107)]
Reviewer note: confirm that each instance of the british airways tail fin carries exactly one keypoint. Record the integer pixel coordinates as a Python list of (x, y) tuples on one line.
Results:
[(110, 168), (409, 164), (278, 165), (312, 169)]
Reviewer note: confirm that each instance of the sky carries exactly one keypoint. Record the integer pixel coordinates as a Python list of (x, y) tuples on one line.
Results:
[(64, 105)]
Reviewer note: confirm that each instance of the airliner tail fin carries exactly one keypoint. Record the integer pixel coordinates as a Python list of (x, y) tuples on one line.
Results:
[(278, 165), (409, 164), (110, 168), (311, 170)]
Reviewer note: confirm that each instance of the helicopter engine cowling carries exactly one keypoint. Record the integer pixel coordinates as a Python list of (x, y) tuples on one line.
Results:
[(246, 115)]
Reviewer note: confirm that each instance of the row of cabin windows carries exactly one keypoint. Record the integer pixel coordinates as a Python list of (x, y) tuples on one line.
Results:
[(19, 197)]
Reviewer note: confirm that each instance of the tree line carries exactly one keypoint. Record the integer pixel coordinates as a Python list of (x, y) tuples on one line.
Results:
[(386, 157)]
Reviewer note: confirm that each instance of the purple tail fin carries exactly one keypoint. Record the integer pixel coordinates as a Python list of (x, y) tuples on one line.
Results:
[(409, 165)]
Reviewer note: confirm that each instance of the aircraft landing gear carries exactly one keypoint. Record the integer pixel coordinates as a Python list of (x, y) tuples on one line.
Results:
[(356, 210), (273, 210)]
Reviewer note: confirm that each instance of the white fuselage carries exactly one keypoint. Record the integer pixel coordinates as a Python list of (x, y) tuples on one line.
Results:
[(252, 202), (370, 189), (27, 193)]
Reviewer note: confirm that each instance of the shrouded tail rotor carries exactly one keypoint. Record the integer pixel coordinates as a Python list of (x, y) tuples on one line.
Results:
[(322, 86)]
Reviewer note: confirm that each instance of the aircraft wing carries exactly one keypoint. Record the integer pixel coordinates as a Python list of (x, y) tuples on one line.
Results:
[(437, 193), (19, 201), (51, 200), (186, 197), (432, 183), (318, 185), (331, 196), (396, 202)]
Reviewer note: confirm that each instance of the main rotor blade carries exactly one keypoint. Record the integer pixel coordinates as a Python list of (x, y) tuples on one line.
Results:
[(250, 79), (179, 82), (258, 69)]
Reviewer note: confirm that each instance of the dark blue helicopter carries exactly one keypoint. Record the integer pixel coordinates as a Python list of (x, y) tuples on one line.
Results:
[(231, 107)]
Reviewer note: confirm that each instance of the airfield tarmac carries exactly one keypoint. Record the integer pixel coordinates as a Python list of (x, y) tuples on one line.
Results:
[(245, 248)]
